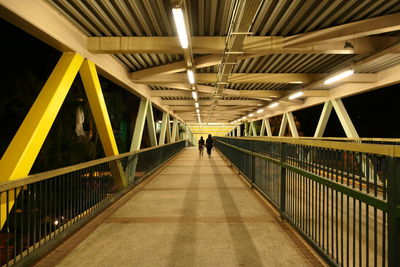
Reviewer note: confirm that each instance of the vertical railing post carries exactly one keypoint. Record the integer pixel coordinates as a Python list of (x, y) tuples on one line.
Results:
[(282, 202), (252, 170), (393, 185)]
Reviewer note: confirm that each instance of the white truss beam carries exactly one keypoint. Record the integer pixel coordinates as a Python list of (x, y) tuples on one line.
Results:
[(385, 78), (139, 125), (323, 119), (174, 130), (164, 125), (283, 125), (253, 78), (373, 26), (151, 125), (344, 118), (292, 124), (258, 45)]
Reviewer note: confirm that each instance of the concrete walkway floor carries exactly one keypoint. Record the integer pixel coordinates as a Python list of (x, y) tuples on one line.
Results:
[(195, 212)]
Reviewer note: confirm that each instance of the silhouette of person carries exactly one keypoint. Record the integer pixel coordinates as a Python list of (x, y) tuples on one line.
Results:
[(209, 145), (201, 146)]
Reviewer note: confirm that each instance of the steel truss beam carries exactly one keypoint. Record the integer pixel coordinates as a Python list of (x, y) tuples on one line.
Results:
[(164, 126), (145, 111), (288, 117), (253, 78), (258, 45), (21, 153), (343, 116), (98, 107), (265, 125)]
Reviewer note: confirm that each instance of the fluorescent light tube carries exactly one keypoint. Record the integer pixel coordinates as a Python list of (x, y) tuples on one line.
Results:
[(194, 94), (196, 104), (338, 77), (275, 104), (245, 117), (198, 111), (190, 76), (260, 110), (251, 115), (296, 95), (180, 27)]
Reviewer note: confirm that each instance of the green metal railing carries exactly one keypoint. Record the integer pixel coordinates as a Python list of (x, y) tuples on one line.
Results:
[(343, 198), (49, 206)]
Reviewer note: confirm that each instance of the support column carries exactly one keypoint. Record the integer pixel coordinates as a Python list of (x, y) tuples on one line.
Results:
[(178, 137), (164, 124), (283, 125), (253, 129), (174, 126), (98, 107), (249, 129), (323, 119), (292, 124), (139, 125), (238, 132), (262, 130), (25, 146), (169, 137), (22, 151), (151, 125), (344, 118), (268, 127), (137, 139)]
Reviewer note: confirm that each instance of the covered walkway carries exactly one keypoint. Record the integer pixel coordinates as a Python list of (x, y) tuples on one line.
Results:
[(193, 212)]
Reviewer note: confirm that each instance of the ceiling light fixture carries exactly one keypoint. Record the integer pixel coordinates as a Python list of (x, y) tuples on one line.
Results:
[(275, 104), (180, 27), (251, 115), (260, 110), (340, 76), (245, 117), (190, 76), (194, 94), (196, 104), (296, 95), (198, 111), (296, 82)]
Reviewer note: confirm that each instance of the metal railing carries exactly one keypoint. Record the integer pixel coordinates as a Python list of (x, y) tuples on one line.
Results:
[(46, 207), (343, 198)]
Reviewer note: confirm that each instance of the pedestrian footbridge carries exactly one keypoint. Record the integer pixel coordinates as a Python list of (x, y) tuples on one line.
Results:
[(149, 77), (258, 201)]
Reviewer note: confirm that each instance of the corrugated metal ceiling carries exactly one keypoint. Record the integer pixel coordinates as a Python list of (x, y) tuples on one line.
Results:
[(288, 17), (212, 18)]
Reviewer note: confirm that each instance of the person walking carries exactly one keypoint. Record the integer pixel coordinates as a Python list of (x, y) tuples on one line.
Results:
[(201, 146), (209, 145)]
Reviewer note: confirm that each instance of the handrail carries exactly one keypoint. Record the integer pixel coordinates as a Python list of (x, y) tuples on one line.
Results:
[(375, 202), (372, 139), (53, 173), (388, 150), (42, 209), (322, 187)]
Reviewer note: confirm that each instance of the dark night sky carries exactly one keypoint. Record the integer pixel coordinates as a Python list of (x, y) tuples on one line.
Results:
[(374, 114)]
